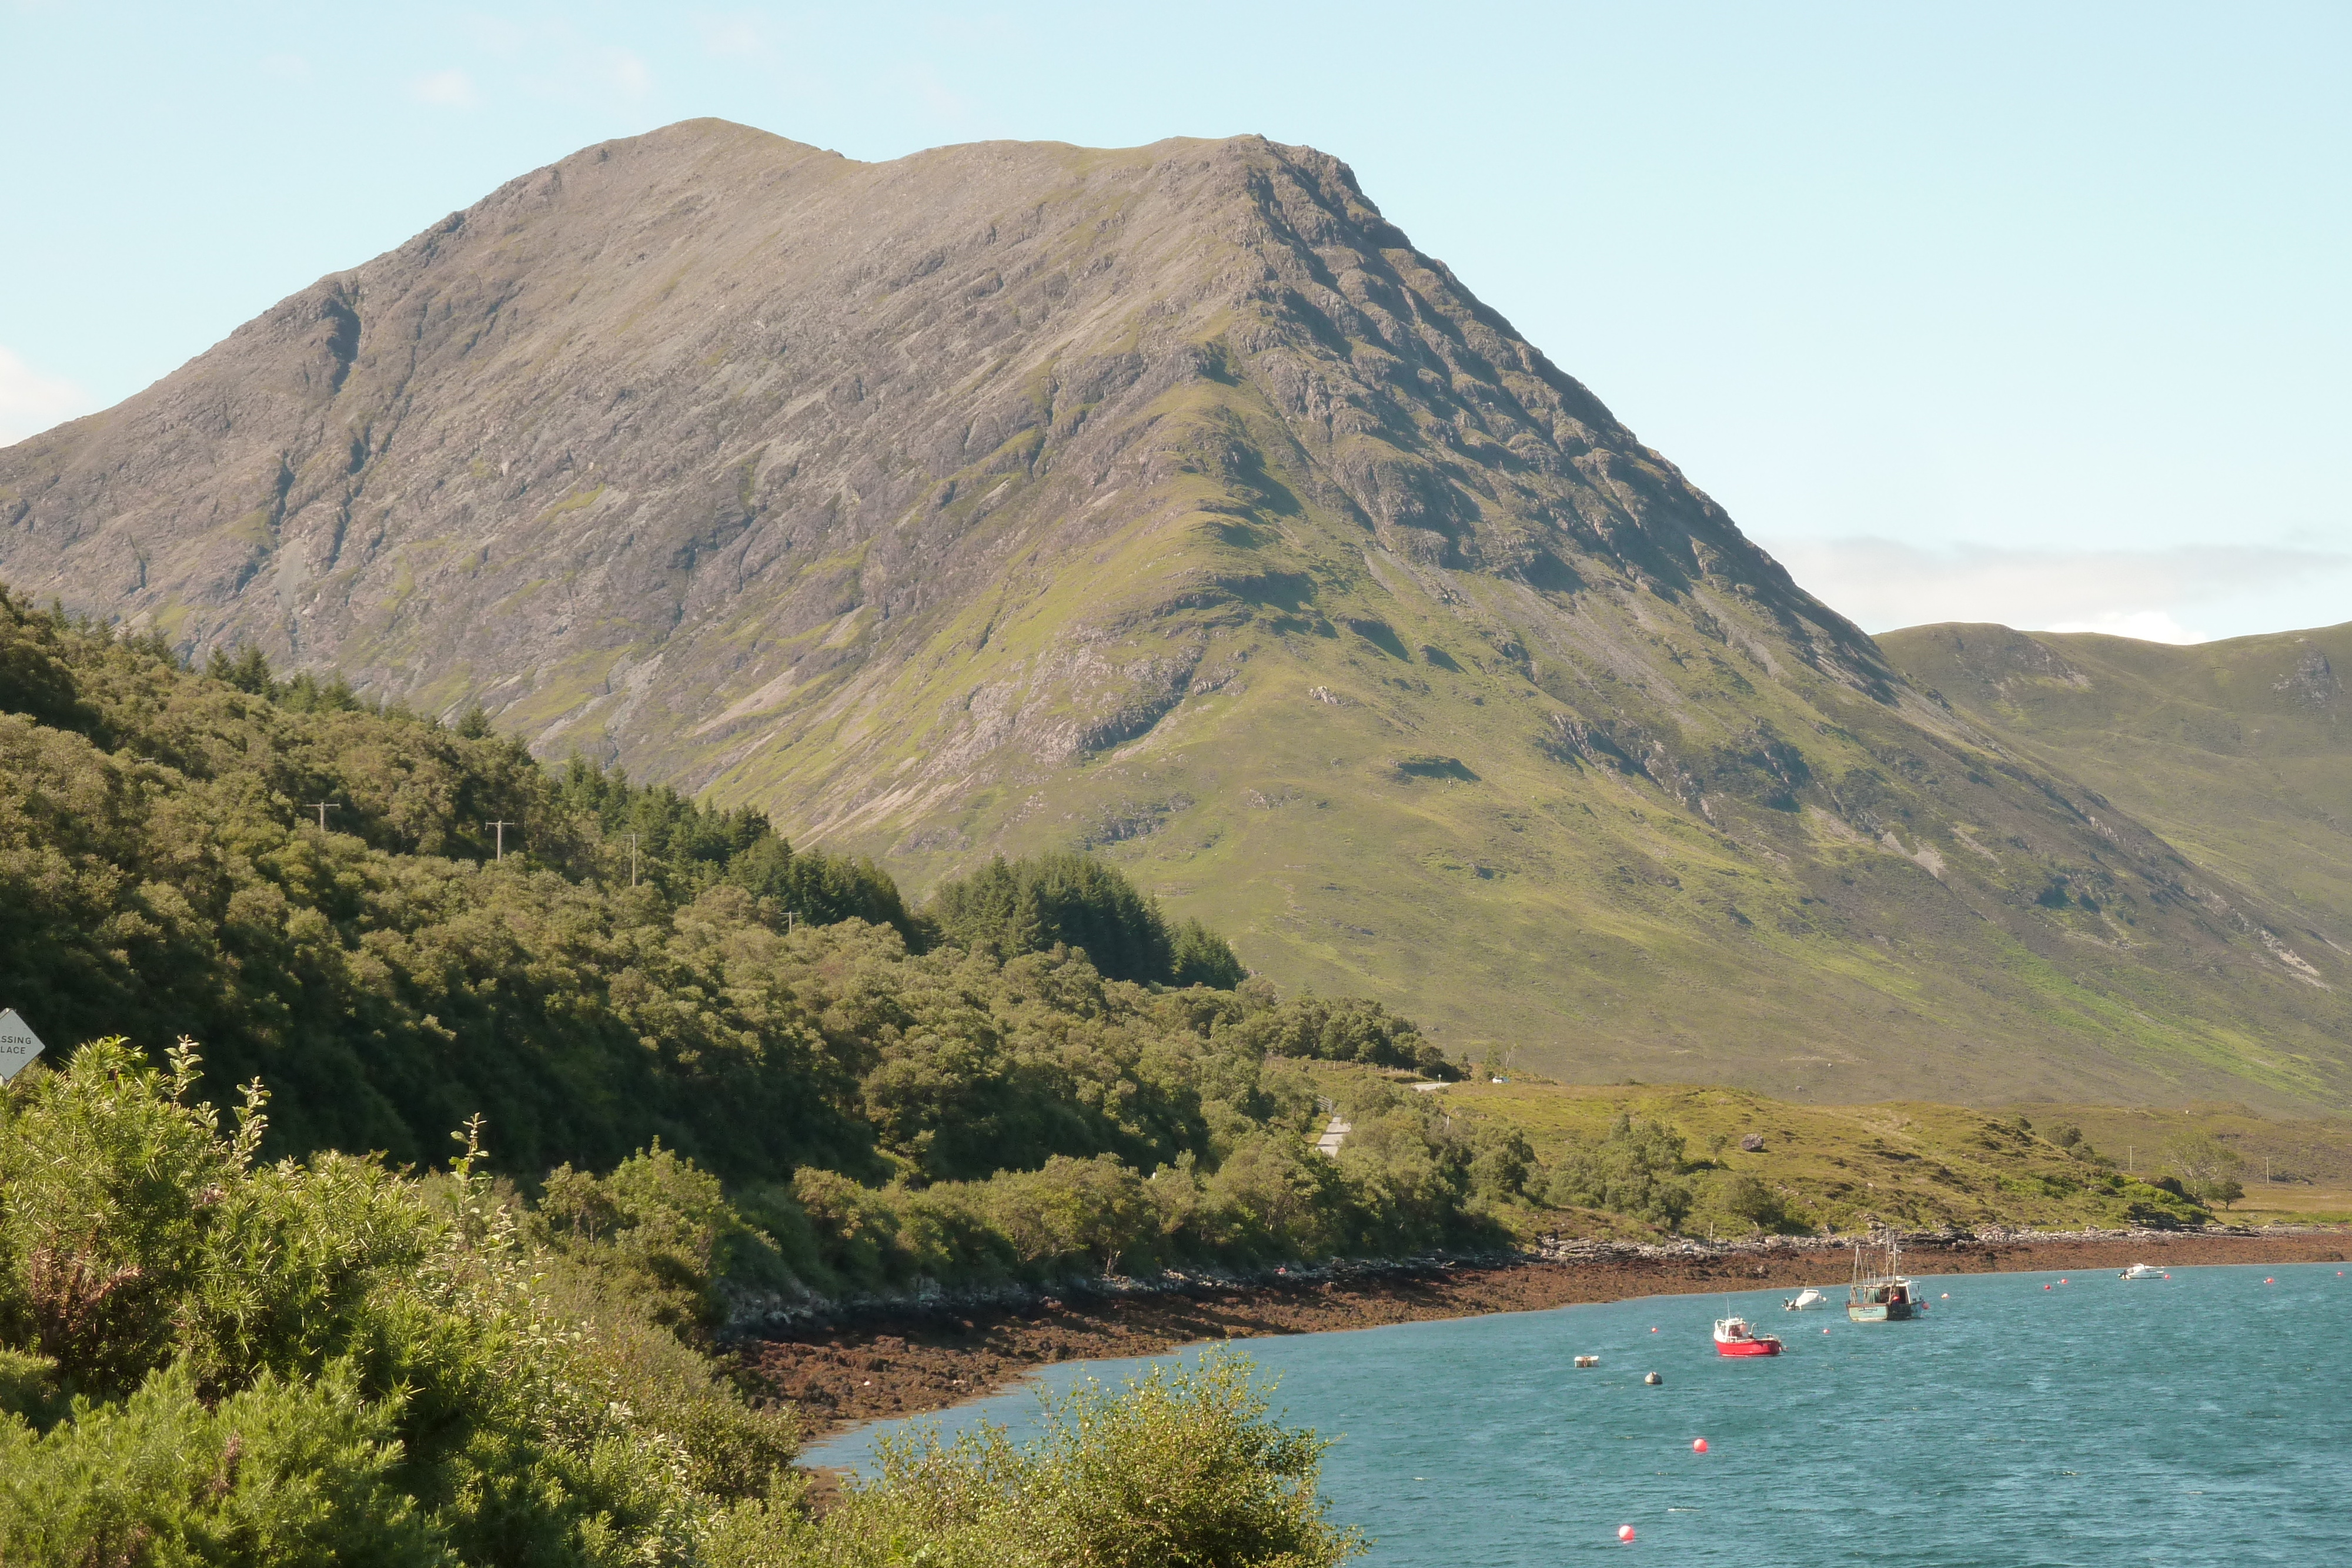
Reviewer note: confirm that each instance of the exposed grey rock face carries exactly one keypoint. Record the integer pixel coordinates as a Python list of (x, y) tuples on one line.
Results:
[(687, 422), (2313, 679)]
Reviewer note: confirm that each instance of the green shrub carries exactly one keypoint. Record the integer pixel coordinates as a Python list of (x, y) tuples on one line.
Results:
[(1745, 1197), (661, 1230), (2224, 1190), (2163, 1203), (1347, 1030), (351, 1338), (1179, 1469), (1201, 958), (1634, 1171), (1032, 905), (276, 1473), (1500, 1163)]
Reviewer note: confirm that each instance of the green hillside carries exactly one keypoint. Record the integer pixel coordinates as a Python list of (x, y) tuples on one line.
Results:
[(2238, 752), (1778, 881)]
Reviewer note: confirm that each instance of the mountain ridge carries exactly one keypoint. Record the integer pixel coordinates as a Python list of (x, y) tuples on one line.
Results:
[(1164, 502), (2234, 750)]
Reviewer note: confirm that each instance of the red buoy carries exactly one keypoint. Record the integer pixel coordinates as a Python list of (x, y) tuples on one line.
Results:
[(2045, 1287), (1698, 1446), (1625, 1534)]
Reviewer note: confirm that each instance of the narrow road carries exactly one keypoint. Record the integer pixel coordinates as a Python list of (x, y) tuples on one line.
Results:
[(1334, 1135)]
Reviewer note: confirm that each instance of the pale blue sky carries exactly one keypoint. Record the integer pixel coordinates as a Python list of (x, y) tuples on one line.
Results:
[(2033, 313)]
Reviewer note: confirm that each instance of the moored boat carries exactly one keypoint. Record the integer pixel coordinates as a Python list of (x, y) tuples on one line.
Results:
[(1881, 1293), (2143, 1271), (1735, 1336), (1807, 1297)]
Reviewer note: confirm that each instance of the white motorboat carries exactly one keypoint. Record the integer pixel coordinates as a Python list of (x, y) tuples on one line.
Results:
[(1807, 1297), (2143, 1271)]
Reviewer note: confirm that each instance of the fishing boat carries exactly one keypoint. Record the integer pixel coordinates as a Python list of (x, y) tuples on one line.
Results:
[(1735, 1336), (2143, 1271), (1803, 1299), (1881, 1293)]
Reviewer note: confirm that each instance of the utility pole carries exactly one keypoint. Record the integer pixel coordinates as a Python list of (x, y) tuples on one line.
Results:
[(501, 828), (632, 860), (320, 807)]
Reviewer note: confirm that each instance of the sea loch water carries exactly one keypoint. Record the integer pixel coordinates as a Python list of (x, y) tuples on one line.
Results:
[(2202, 1419)]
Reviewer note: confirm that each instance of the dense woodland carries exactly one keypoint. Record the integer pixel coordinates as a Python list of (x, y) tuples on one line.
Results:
[(958, 1093)]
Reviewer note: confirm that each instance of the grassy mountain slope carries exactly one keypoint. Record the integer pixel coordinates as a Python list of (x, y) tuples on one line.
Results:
[(2239, 752), (1164, 501)]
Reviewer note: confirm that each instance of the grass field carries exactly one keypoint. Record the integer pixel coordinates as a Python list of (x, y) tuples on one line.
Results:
[(1919, 1164), (2293, 1169)]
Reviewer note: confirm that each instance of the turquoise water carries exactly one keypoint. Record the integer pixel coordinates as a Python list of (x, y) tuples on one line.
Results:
[(2203, 1419)]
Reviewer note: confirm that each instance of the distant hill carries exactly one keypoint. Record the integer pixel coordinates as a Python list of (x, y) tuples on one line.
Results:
[(1168, 502), (2239, 752)]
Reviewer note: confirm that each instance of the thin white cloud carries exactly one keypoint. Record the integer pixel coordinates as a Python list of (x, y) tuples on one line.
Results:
[(452, 89), (31, 402), (2156, 595), (286, 67), (626, 73), (734, 34)]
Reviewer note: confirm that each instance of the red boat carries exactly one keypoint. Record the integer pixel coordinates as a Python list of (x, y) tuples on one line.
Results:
[(1733, 1336)]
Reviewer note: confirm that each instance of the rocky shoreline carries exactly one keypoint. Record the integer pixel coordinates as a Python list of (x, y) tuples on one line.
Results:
[(843, 1364)]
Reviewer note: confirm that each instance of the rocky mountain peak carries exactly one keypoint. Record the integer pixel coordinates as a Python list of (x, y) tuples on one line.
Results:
[(624, 405)]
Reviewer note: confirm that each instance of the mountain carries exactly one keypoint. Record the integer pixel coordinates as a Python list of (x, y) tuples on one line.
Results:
[(2239, 752), (1166, 502)]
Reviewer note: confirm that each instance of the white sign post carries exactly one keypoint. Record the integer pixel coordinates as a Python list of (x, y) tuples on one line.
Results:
[(18, 1044)]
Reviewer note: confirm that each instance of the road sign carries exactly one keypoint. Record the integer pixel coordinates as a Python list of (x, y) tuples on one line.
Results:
[(18, 1044)]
